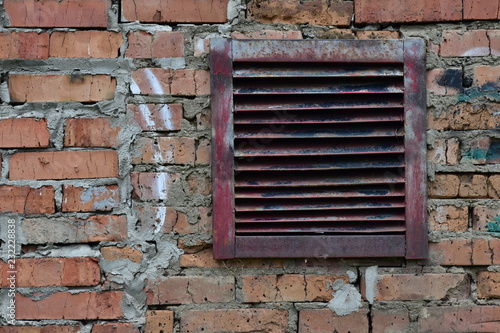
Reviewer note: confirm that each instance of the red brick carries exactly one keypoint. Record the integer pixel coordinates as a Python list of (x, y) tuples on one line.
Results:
[(390, 320), (324, 320), (117, 253), (473, 186), (190, 289), (449, 218), (481, 9), (464, 116), (97, 228), (63, 305), (494, 186), (164, 150), (158, 117), (465, 252), (85, 44), (316, 12), (442, 81), (367, 34), (391, 11), (318, 286), (494, 37), (487, 77), (168, 44), (64, 165), (57, 13), (140, 45), (405, 287), (488, 285), (91, 132), (41, 329), (204, 152), (203, 226), (27, 200), (456, 43), (151, 81), (267, 34), (96, 198), (486, 252), (444, 186), (335, 34), (153, 186), (199, 184), (156, 219), (460, 319), (159, 321), (24, 133), (187, 11), (24, 45), (115, 328), (235, 321), (61, 88), (204, 258), (44, 272), (183, 82), (179, 82)]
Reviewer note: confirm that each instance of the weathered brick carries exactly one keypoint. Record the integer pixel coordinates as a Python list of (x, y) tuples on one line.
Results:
[(235, 321), (318, 286), (457, 43), (442, 81), (164, 150), (190, 289), (267, 34), (444, 152), (41, 329), (162, 44), (63, 305), (154, 186), (91, 132), (481, 9), (444, 186), (390, 320), (158, 117), (324, 320), (453, 151), (117, 253), (27, 200), (460, 319), (204, 152), (73, 230), (487, 77), (317, 12), (151, 81), (465, 252), (61, 88), (484, 150), (199, 184), (367, 34), (189, 82), (96, 198), (85, 44), (58, 13), (488, 285), (494, 37), (152, 220), (115, 328), (204, 258), (64, 165), (159, 321), (202, 227), (473, 186), (24, 133), (482, 215), (336, 34), (465, 116), (44, 272), (24, 45), (187, 11), (449, 218), (391, 11)]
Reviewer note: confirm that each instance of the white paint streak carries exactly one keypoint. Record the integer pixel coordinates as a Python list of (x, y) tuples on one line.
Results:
[(134, 87), (161, 187), (147, 116), (165, 116), (371, 283), (476, 52), (161, 215), (154, 82)]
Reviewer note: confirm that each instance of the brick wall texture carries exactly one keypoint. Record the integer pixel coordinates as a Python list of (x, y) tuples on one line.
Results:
[(105, 169)]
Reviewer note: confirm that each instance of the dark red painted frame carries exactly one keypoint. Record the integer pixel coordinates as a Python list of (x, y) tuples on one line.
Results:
[(410, 52)]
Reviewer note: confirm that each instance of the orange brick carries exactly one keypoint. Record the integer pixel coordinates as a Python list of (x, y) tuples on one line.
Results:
[(164, 150), (204, 258), (91, 132), (473, 186), (204, 152), (481, 216), (95, 198), (115, 328), (24, 133), (324, 320), (481, 9), (488, 285), (85, 44), (61, 88), (57, 13), (456, 252), (24, 45), (487, 77), (117, 253), (396, 320), (461, 318), (444, 186), (154, 185), (27, 200), (63, 305), (318, 286), (494, 186), (449, 218), (140, 45), (494, 36), (159, 321), (168, 44), (464, 116), (456, 43), (366, 34), (157, 117)]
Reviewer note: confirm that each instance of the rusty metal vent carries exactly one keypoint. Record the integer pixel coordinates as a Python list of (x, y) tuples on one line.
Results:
[(315, 146)]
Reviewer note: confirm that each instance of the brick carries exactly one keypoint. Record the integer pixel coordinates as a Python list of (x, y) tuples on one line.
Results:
[(27, 200), (494, 37), (464, 116), (190, 289), (64, 165), (267, 34), (460, 318), (390, 320), (487, 78), (453, 151), (61, 88), (204, 152), (449, 218), (66, 230), (445, 152), (24, 45), (85, 44), (391, 11), (187, 11), (318, 286), (154, 185), (140, 45), (163, 44), (204, 258), (199, 184), (485, 252), (473, 186), (157, 117), (482, 215), (494, 186), (407, 287), (316, 12), (46, 272), (324, 320), (164, 150), (63, 305), (186, 83), (366, 34), (203, 226), (336, 34), (159, 321), (152, 220), (24, 133), (91, 132), (235, 321), (481, 9), (115, 328), (151, 81), (442, 81), (57, 13), (488, 285), (484, 150), (456, 252), (41, 329), (456, 43), (203, 120), (95, 198), (118, 253), (444, 186)]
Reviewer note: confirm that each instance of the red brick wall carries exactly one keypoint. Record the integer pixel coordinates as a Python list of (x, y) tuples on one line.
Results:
[(105, 140)]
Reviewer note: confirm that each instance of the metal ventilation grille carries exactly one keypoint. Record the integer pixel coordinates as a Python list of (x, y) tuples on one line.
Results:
[(318, 148)]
